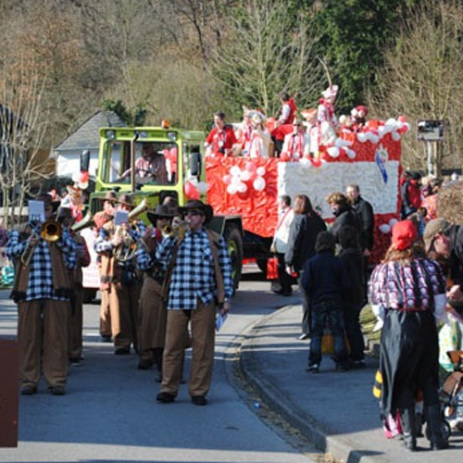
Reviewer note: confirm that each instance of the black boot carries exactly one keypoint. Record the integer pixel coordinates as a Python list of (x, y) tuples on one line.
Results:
[(434, 417), (407, 417)]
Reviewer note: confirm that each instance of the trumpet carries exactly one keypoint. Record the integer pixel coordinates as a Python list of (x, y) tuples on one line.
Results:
[(177, 230)]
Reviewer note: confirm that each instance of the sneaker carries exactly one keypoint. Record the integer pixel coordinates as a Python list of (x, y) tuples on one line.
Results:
[(314, 368), (145, 364), (304, 336), (28, 389), (105, 338), (199, 400), (165, 397)]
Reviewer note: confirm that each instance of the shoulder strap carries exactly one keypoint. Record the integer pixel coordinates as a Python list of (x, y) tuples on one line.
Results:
[(170, 268), (214, 241)]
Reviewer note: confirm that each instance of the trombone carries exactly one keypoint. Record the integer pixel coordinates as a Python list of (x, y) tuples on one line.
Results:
[(50, 231)]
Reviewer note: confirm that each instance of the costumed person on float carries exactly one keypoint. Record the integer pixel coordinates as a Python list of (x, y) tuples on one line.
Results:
[(326, 119), (221, 139), (359, 114), (283, 124), (259, 144), (243, 132), (296, 144), (311, 129)]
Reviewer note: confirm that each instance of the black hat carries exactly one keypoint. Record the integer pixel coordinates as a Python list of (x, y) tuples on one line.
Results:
[(197, 205), (161, 211)]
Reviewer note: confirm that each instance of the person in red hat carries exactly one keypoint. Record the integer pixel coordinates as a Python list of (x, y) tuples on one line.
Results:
[(410, 290), (359, 116)]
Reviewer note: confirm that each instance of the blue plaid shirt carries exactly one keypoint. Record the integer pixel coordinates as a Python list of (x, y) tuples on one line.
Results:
[(193, 274), (40, 284)]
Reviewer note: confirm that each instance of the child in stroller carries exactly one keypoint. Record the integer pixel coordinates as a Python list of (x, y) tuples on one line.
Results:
[(451, 393)]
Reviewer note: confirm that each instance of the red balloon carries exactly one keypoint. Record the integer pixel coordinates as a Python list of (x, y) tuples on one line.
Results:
[(402, 119), (316, 162), (191, 191)]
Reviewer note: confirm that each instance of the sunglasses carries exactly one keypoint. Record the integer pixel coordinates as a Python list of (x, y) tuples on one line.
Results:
[(194, 213)]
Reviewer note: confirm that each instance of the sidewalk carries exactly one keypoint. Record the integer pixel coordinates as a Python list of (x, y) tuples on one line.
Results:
[(337, 411)]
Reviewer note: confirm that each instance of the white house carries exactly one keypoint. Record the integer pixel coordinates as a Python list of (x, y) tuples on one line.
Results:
[(87, 137)]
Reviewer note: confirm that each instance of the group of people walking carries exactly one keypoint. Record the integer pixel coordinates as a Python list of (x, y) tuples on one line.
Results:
[(155, 281)]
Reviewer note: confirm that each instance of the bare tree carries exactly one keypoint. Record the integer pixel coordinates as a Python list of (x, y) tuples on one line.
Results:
[(422, 80), (23, 124), (268, 52)]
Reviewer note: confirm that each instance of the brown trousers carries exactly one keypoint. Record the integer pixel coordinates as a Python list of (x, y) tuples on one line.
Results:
[(202, 342), (123, 302), (75, 324), (152, 319), (105, 314), (43, 333)]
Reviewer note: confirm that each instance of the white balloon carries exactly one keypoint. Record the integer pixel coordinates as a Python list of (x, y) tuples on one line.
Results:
[(242, 188), (231, 189), (260, 171), (259, 184), (351, 154), (373, 138), (395, 136), (202, 187), (333, 151), (245, 175), (235, 180), (392, 222), (235, 171), (305, 162), (341, 143), (381, 131), (384, 228), (362, 137)]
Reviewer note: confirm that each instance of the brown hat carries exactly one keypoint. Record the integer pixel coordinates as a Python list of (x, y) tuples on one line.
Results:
[(197, 205), (161, 211), (433, 228), (126, 200), (110, 196)]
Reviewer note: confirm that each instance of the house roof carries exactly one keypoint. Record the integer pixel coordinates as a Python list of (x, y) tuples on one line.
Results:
[(88, 136)]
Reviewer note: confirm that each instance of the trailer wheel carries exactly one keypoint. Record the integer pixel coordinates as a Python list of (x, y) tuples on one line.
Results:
[(235, 249)]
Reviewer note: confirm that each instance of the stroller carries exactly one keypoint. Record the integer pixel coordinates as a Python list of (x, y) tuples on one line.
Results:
[(452, 390)]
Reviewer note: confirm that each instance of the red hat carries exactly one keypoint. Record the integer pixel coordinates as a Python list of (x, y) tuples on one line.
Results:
[(404, 233)]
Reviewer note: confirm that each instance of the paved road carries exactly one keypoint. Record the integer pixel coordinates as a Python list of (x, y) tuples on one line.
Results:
[(110, 414)]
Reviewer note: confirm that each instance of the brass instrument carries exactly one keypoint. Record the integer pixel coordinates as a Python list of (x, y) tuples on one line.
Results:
[(178, 230), (128, 247), (86, 222), (49, 231)]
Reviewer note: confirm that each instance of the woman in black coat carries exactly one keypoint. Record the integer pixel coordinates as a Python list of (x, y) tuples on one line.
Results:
[(305, 227)]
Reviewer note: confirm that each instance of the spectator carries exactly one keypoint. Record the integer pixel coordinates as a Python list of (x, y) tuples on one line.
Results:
[(410, 289), (305, 227), (354, 298), (280, 243), (411, 194), (325, 280)]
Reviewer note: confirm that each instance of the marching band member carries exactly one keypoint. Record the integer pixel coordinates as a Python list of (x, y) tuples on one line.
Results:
[(152, 317), (66, 219), (42, 291), (121, 276)]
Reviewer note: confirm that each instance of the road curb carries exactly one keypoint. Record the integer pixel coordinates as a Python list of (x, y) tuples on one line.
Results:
[(306, 424)]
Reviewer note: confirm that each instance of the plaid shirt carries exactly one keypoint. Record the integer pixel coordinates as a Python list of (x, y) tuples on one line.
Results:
[(103, 242), (193, 274), (40, 284), (410, 287)]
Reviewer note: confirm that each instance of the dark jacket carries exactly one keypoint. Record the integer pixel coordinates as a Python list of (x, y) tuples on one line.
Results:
[(456, 256), (367, 217), (352, 260), (301, 242), (324, 279), (346, 216)]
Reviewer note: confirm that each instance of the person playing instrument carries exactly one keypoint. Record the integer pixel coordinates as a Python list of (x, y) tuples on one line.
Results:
[(152, 317), (100, 218), (198, 278), (116, 246), (66, 219), (42, 291)]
